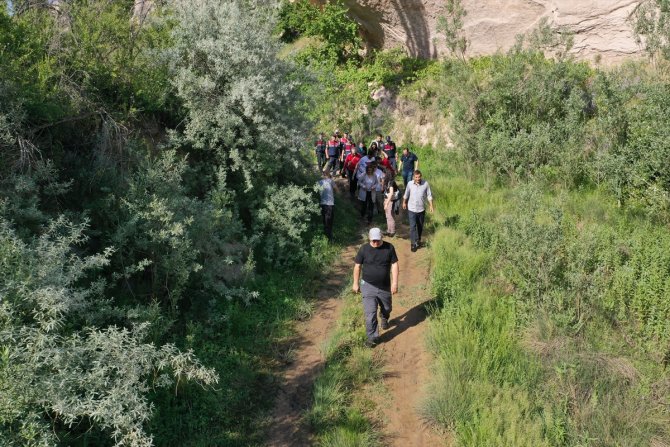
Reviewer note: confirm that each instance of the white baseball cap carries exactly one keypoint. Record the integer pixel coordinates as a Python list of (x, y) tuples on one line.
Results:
[(375, 234)]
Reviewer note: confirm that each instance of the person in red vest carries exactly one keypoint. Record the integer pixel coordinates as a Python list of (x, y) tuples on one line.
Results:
[(347, 148), (387, 165), (320, 149), (350, 165), (390, 151), (332, 152)]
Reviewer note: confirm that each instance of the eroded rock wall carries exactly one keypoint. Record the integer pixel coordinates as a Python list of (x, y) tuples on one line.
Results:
[(601, 27)]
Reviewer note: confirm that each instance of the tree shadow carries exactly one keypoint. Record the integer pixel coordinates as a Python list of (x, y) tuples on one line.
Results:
[(412, 23), (413, 317), (412, 17)]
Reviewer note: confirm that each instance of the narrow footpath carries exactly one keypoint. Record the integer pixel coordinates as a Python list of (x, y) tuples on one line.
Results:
[(405, 356), (402, 345)]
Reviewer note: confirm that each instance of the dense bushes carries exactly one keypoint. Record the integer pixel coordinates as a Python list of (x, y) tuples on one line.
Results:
[(522, 116), (168, 143)]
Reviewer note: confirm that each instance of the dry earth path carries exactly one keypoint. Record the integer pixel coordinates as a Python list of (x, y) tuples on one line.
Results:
[(402, 346), (405, 356)]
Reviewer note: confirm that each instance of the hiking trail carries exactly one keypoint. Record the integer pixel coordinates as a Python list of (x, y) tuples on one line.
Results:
[(402, 346)]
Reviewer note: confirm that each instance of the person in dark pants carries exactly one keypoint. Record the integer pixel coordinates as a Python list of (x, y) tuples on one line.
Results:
[(379, 263), (326, 188), (320, 149), (350, 165), (409, 162), (332, 152), (416, 193), (390, 151)]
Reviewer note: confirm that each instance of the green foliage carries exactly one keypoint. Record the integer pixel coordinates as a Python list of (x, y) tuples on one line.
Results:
[(651, 24), (56, 363), (337, 34), (182, 155), (522, 117), (554, 316), (450, 23), (281, 225)]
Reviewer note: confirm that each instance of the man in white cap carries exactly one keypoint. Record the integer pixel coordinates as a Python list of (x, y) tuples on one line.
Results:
[(379, 262)]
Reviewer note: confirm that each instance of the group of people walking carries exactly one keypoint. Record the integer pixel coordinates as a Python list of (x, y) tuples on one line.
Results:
[(371, 172)]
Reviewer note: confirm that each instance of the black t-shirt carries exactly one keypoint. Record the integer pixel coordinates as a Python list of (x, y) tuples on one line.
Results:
[(376, 263)]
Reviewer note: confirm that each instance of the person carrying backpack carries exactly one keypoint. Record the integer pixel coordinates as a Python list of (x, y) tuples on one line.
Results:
[(347, 148), (320, 150)]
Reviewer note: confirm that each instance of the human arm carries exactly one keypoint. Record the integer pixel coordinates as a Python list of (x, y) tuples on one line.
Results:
[(395, 270), (357, 278), (405, 197), (429, 196), (389, 197), (416, 163)]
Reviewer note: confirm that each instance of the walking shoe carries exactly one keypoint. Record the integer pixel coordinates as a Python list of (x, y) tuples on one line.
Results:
[(370, 343), (384, 323), (414, 247)]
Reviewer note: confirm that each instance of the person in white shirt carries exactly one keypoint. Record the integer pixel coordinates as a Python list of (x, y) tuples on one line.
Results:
[(416, 193)]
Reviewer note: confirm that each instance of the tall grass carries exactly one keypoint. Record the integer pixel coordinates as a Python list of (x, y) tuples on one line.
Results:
[(552, 329), (341, 413)]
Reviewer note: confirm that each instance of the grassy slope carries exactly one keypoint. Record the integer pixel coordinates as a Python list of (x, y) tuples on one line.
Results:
[(509, 372)]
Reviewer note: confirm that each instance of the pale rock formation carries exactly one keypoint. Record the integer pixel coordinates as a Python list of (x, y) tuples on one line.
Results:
[(601, 27)]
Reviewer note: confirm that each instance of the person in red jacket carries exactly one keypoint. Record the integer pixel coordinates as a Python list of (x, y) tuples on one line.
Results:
[(388, 167), (390, 151), (350, 164), (347, 148)]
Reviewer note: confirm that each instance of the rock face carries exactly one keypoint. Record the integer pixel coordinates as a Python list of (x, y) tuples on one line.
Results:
[(601, 28)]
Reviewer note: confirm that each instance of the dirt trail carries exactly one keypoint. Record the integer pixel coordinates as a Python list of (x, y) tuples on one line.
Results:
[(402, 346), (405, 356), (295, 392)]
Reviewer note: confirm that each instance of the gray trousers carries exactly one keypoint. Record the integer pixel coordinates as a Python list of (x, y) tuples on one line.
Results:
[(372, 297)]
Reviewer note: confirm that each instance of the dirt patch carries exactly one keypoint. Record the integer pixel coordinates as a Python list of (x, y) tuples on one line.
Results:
[(294, 397), (403, 345)]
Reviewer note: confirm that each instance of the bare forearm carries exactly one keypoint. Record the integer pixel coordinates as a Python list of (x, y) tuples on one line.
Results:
[(357, 274), (395, 270)]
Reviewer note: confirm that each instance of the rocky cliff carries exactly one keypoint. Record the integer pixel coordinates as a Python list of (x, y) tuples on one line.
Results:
[(601, 28)]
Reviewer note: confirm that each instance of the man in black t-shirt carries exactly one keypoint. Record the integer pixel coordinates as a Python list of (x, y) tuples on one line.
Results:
[(380, 280)]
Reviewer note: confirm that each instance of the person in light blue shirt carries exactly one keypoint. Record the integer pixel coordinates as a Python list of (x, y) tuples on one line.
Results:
[(416, 194)]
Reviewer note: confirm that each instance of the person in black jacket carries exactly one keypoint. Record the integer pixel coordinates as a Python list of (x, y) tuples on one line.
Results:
[(320, 149)]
